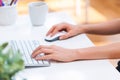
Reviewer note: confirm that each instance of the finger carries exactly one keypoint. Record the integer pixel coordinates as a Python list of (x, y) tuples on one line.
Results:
[(51, 30), (44, 57), (45, 51), (67, 35), (40, 47), (59, 27), (54, 32)]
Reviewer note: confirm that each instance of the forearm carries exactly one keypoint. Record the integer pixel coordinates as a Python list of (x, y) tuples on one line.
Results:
[(111, 51), (111, 27)]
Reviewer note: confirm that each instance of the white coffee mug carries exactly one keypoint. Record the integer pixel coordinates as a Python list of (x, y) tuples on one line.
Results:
[(8, 15), (38, 12)]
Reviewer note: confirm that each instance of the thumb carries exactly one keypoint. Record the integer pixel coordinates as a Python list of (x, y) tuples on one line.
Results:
[(67, 35)]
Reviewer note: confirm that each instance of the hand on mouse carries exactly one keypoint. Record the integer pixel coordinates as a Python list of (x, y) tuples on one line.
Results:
[(55, 53), (71, 30)]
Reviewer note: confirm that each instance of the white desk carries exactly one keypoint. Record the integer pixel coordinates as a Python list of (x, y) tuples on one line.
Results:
[(78, 70)]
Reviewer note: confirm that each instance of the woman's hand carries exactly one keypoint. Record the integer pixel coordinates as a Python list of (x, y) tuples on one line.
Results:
[(55, 53), (71, 30)]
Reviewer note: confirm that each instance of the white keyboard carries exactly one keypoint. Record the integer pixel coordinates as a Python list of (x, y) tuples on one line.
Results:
[(26, 47)]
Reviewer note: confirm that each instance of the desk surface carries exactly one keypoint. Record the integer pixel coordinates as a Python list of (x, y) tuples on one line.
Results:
[(78, 70)]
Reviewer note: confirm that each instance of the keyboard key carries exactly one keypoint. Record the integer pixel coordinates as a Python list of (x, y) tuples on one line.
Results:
[(26, 47)]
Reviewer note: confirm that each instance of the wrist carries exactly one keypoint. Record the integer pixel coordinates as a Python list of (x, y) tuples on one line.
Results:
[(83, 28), (84, 53), (80, 54)]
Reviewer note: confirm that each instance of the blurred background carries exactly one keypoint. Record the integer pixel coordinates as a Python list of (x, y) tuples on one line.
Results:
[(84, 12)]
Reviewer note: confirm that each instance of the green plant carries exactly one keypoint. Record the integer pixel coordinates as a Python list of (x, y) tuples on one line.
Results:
[(10, 62)]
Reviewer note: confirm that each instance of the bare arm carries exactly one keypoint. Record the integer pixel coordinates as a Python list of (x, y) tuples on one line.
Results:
[(66, 55), (105, 28), (111, 51), (100, 52)]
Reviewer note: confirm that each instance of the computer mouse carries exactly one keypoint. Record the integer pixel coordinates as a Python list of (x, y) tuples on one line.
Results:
[(55, 37)]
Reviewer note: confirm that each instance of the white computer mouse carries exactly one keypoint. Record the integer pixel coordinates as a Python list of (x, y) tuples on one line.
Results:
[(55, 37)]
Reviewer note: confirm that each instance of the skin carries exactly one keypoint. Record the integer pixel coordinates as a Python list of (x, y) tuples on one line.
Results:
[(57, 53)]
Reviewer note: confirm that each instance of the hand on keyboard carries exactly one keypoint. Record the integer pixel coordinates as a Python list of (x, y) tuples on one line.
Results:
[(55, 53), (26, 47)]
